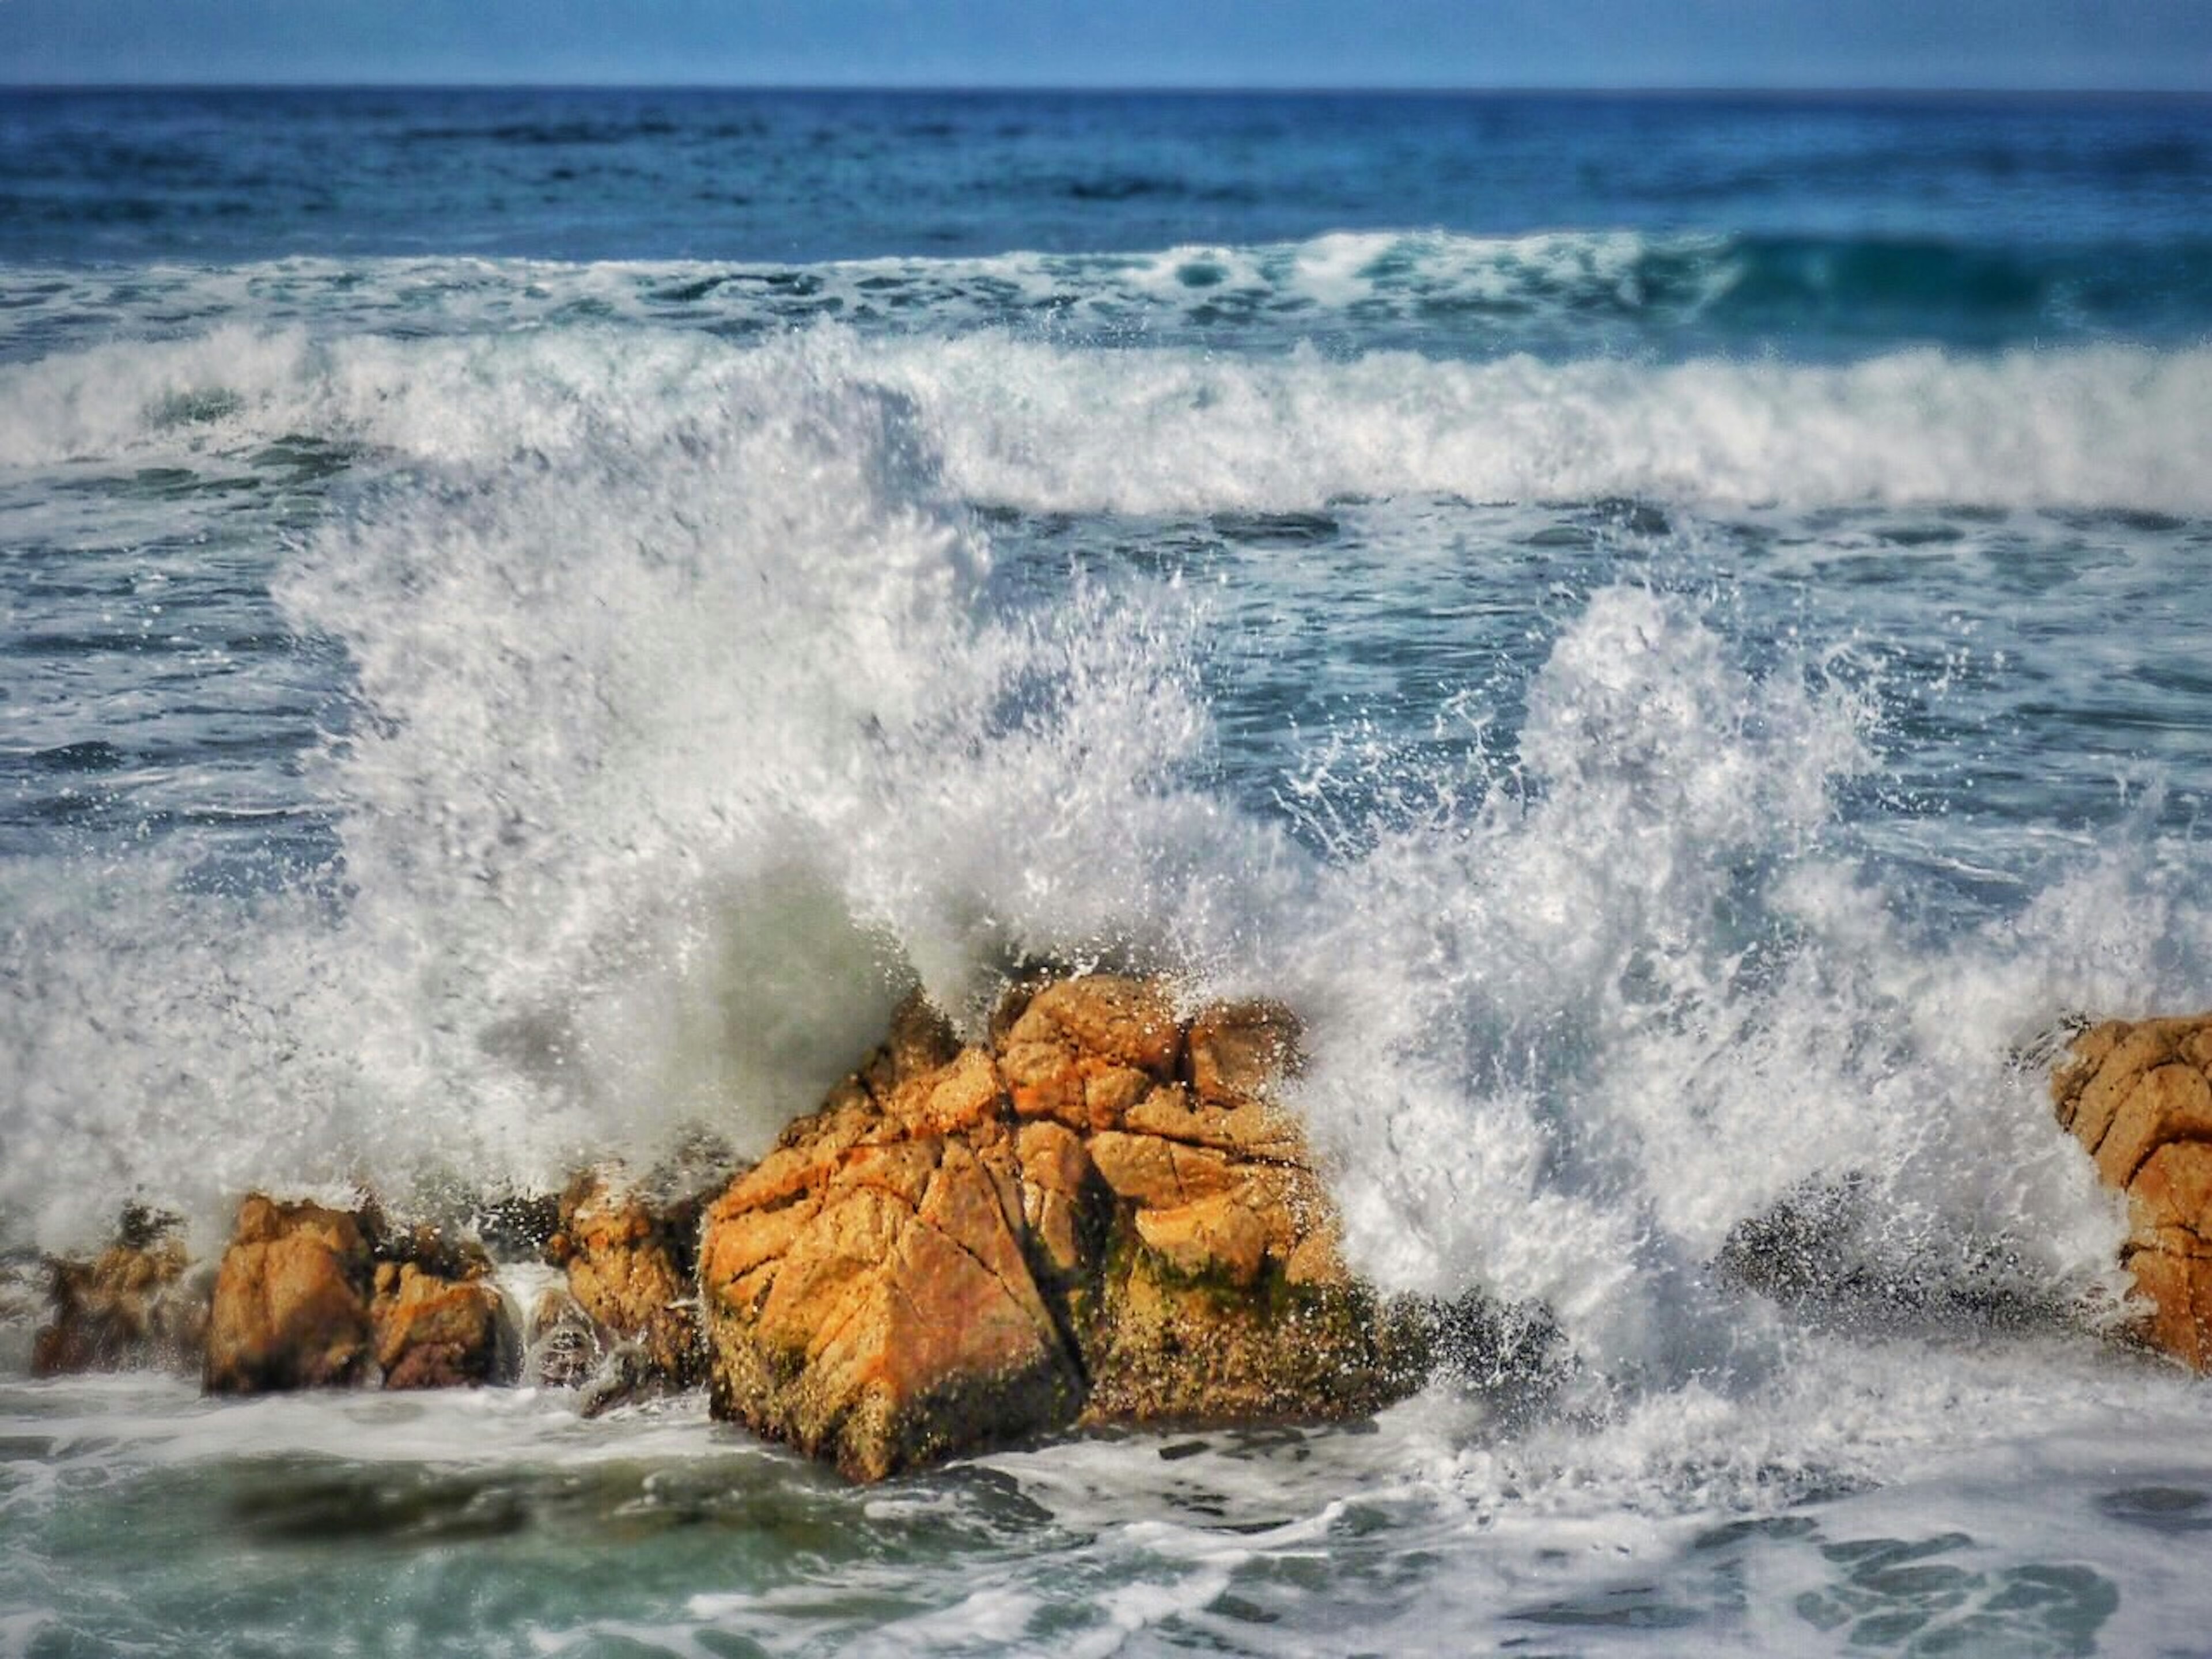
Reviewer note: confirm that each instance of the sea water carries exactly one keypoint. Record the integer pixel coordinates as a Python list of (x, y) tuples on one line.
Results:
[(1672, 630)]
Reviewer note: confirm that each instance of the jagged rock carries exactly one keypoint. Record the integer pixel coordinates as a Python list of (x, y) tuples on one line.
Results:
[(1825, 1249), (136, 1304), (629, 1262), (1097, 1216), (309, 1296), (2138, 1095), (291, 1300)]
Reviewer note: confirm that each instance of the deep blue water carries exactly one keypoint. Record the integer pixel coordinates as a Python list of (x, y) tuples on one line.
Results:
[(1672, 628), (802, 177), (1979, 219)]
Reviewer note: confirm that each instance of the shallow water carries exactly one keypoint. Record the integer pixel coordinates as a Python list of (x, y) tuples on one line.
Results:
[(1669, 629)]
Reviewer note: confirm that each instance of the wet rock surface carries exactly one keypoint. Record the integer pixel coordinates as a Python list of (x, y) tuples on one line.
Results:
[(136, 1304), (312, 1296), (1099, 1215), (437, 1318), (2138, 1095), (630, 1260)]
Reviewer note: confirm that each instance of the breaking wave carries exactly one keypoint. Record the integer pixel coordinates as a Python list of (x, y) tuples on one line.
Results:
[(1052, 427), (695, 713)]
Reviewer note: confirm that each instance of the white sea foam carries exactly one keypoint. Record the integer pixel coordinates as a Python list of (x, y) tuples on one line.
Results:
[(686, 736), (1053, 427)]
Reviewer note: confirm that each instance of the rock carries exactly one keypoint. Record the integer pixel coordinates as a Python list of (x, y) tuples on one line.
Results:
[(437, 1319), (625, 1375), (562, 1342), (629, 1262), (291, 1300), (309, 1296), (2138, 1095), (1097, 1216), (136, 1304)]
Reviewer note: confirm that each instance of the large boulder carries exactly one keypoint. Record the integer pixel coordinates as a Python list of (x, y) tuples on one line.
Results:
[(2138, 1095), (136, 1304), (311, 1296), (1097, 1216)]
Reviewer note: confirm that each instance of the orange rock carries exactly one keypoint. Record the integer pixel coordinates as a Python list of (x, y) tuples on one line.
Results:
[(629, 1262), (290, 1308), (1049, 1229), (960, 1095), (2170, 1200), (1252, 1128), (1239, 1049), (1105, 1020), (881, 1330), (1084, 1050), (2168, 1103), (1217, 1235), (2138, 1095), (433, 1332), (2112, 1059), (2179, 1289), (308, 1297), (132, 1305), (1059, 1201), (1139, 1168)]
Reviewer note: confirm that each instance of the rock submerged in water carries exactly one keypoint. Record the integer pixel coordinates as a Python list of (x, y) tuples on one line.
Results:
[(309, 1296), (1097, 1216), (2138, 1095)]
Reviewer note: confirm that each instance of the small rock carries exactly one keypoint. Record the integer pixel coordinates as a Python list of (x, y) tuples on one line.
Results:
[(291, 1300), (136, 1304), (434, 1332), (308, 1297), (629, 1262)]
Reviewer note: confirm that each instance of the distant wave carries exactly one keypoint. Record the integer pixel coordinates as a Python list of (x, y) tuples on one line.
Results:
[(1042, 426), (1556, 292)]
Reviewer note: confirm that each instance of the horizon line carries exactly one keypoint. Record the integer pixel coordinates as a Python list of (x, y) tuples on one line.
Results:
[(1318, 89)]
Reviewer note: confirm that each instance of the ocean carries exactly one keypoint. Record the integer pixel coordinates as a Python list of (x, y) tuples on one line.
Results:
[(1672, 629)]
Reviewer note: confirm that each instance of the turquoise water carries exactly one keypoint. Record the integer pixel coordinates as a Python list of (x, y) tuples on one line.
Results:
[(1669, 629)]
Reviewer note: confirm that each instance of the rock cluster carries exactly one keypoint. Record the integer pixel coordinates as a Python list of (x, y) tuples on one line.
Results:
[(2138, 1095), (309, 1296), (1096, 1215)]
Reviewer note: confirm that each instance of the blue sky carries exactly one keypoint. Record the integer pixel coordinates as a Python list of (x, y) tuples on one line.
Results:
[(1475, 43)]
